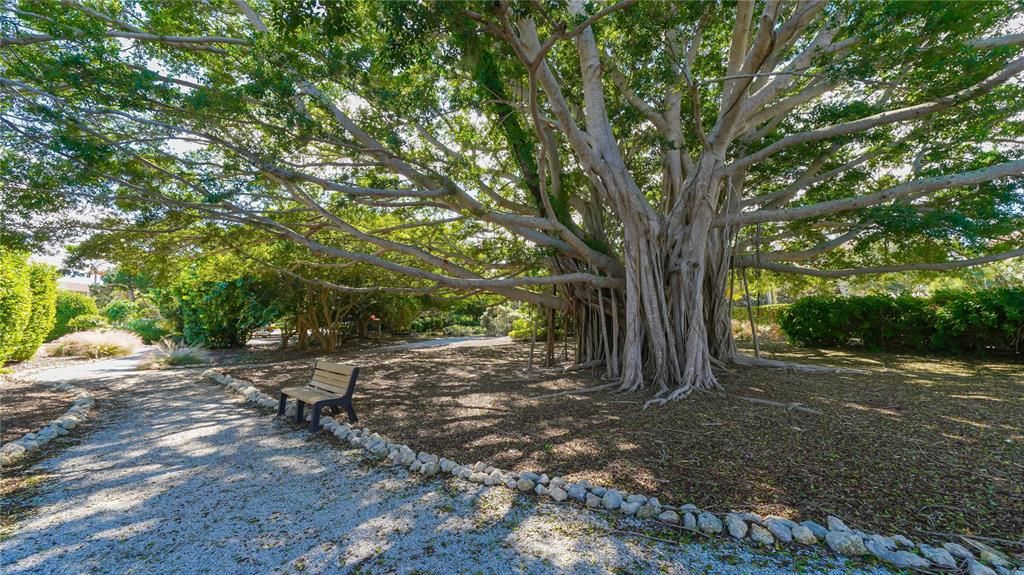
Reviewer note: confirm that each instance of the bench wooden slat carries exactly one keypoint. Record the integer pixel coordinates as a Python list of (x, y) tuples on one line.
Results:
[(308, 394), (337, 368), (334, 388), (331, 378)]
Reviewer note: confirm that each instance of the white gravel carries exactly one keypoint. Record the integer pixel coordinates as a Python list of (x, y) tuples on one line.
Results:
[(181, 478)]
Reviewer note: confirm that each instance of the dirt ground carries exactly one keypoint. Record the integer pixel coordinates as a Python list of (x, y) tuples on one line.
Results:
[(26, 406), (914, 444)]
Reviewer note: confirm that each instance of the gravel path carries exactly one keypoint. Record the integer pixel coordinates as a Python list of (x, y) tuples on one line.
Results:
[(178, 477)]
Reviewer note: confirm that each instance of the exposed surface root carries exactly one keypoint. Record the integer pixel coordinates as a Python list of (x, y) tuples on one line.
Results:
[(750, 361), (578, 391)]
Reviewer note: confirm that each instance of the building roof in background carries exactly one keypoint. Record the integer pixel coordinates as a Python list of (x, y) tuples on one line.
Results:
[(80, 285)]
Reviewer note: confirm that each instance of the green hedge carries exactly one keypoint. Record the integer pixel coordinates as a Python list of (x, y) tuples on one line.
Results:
[(69, 306), (43, 287), (989, 321), (27, 301), (15, 301)]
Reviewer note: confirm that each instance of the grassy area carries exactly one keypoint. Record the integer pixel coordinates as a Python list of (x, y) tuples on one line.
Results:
[(912, 444)]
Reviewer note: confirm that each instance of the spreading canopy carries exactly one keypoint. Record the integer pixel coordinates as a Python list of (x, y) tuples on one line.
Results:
[(631, 152)]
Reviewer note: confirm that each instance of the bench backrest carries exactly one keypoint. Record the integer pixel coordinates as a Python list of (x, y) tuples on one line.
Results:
[(339, 378)]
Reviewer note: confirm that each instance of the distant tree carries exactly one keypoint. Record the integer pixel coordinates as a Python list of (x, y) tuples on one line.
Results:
[(69, 306)]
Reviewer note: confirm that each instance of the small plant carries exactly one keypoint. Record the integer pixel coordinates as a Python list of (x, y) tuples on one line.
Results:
[(96, 343), (87, 322), (174, 353)]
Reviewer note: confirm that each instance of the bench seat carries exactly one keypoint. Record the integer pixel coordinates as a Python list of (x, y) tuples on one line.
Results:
[(332, 386)]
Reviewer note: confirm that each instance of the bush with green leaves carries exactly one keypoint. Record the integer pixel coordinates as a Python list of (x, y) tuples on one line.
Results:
[(15, 301), (150, 329), (979, 322), (43, 285), (976, 322), (87, 322), (220, 314), (69, 306), (120, 311), (498, 320)]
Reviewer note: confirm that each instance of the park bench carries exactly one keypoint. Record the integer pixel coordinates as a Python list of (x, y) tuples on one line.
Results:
[(332, 386)]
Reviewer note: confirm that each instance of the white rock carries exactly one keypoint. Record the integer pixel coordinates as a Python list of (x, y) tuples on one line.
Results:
[(494, 478), (689, 521), (541, 489), (612, 499), (779, 529), (430, 469), (525, 485), (558, 494), (836, 524), (13, 449), (883, 542), (479, 466), (993, 557), (957, 550), (669, 516), (648, 510), (803, 535), (447, 465), (902, 541), (761, 535), (629, 507), (976, 568), (543, 479), (736, 526), (845, 543), (577, 491), (592, 500), (818, 531), (940, 557), (415, 465), (907, 560), (598, 490), (635, 498), (478, 477), (557, 482), (709, 523), (427, 457), (689, 508)]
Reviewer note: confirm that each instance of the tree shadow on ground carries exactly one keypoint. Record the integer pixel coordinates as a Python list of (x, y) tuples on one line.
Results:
[(913, 445), (184, 479)]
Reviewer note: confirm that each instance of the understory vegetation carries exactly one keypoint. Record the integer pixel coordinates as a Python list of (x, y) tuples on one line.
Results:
[(976, 322), (96, 343)]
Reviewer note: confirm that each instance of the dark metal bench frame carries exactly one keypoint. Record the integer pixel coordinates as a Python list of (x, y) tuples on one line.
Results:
[(335, 404)]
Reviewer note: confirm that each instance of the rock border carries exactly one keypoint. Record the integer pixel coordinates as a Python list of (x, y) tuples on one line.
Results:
[(972, 557), (83, 402)]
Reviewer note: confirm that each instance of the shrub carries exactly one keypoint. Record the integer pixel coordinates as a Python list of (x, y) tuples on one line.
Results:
[(15, 301), (96, 343), (220, 313), (121, 311), (816, 321), (498, 320), (974, 322), (43, 286), (149, 329), (69, 306), (988, 321), (87, 322)]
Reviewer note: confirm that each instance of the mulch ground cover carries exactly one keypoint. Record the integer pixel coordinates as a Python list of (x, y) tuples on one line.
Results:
[(26, 406), (917, 445)]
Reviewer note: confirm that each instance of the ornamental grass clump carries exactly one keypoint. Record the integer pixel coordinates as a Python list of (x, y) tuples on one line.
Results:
[(96, 343), (172, 353)]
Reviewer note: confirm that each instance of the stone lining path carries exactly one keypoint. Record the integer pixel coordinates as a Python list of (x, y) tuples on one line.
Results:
[(179, 477)]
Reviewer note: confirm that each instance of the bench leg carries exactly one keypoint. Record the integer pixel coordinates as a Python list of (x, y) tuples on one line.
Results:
[(314, 422), (351, 413), (282, 404), (298, 412)]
